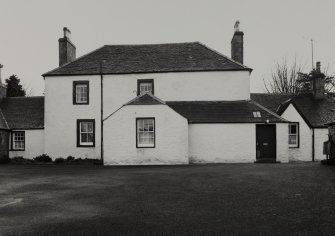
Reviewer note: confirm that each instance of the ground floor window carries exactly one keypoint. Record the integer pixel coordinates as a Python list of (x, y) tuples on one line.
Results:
[(85, 133), (293, 135), (18, 140), (145, 132)]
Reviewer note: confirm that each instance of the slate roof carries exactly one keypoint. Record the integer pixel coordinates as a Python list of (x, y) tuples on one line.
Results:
[(270, 101), (3, 123), (316, 113), (145, 99), (23, 112), (224, 112), (149, 58)]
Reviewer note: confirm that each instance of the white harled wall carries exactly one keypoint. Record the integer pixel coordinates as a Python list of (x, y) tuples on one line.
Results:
[(230, 143), (304, 151), (61, 117), (61, 114), (171, 131), (183, 86), (34, 144), (321, 135)]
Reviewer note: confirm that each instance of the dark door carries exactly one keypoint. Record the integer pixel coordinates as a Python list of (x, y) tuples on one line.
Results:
[(266, 142)]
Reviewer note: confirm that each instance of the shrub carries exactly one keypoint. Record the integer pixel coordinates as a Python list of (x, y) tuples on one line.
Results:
[(21, 160), (59, 160), (70, 158), (4, 160), (43, 158)]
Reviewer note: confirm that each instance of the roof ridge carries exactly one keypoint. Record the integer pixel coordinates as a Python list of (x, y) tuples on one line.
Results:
[(150, 44), (228, 58)]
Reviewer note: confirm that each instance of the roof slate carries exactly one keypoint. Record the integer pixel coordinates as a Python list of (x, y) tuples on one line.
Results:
[(145, 99), (315, 112), (150, 58), (269, 100), (23, 112), (3, 123), (224, 112)]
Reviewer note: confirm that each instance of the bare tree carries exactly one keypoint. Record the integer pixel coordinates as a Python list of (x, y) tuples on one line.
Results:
[(289, 79), (285, 78)]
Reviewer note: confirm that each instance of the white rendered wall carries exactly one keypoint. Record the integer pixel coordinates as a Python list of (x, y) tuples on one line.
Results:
[(61, 117), (61, 114), (220, 143), (304, 151), (230, 143), (171, 132), (282, 142), (320, 136), (184, 86), (34, 144)]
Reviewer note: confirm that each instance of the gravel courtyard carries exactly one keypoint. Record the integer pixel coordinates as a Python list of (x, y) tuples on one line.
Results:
[(227, 199)]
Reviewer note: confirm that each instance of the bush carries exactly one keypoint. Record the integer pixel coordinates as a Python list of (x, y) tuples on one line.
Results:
[(4, 160), (70, 158), (21, 160), (59, 160), (43, 158)]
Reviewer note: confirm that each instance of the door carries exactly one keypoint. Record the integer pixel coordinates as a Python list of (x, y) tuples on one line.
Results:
[(266, 142)]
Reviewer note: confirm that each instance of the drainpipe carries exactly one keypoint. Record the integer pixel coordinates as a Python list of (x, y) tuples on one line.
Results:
[(102, 112), (313, 148)]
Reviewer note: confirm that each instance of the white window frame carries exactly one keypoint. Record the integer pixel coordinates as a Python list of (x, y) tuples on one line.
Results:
[(80, 96), (296, 145), (80, 133), (141, 129), (18, 137), (145, 86)]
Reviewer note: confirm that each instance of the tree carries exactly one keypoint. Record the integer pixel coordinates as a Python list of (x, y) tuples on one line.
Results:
[(284, 79), (14, 88), (289, 79)]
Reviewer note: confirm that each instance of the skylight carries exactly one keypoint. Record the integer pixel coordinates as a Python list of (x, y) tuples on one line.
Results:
[(256, 114)]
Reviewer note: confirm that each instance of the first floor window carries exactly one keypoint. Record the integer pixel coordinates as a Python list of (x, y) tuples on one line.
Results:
[(18, 140), (145, 86), (293, 135), (145, 133), (80, 92), (85, 133)]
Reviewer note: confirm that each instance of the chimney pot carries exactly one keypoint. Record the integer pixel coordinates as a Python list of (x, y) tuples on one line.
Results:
[(318, 82), (237, 44), (67, 50), (318, 67)]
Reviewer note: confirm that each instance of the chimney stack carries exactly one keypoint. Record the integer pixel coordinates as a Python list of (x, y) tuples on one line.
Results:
[(3, 88), (237, 44), (318, 82), (67, 50)]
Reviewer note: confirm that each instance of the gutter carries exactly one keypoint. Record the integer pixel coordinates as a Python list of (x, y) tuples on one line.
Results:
[(102, 112), (313, 144)]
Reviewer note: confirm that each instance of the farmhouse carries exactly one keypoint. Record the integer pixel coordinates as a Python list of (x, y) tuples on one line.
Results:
[(175, 103)]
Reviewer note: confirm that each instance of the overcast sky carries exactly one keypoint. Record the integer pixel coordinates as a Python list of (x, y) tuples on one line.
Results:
[(273, 30)]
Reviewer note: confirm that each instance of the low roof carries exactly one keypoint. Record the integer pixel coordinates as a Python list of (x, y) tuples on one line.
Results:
[(3, 123), (149, 58), (224, 112), (315, 112), (23, 112), (270, 100), (146, 99)]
